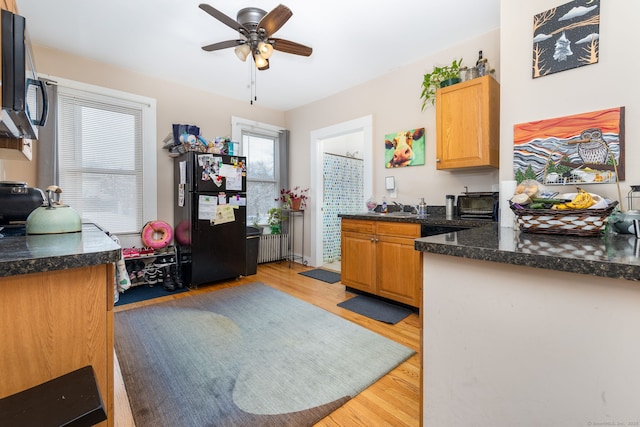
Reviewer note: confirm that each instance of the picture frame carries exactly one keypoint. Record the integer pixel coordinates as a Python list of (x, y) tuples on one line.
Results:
[(566, 37), (405, 148), (581, 148)]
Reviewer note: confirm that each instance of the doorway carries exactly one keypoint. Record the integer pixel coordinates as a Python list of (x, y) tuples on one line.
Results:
[(350, 140)]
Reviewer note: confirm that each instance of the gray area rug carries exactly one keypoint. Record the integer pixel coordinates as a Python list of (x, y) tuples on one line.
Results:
[(324, 275), (245, 356), (376, 309)]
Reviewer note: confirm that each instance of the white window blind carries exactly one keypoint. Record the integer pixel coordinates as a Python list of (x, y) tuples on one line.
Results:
[(100, 150), (267, 150), (262, 179)]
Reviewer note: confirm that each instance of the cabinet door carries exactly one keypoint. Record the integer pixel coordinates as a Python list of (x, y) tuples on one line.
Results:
[(358, 261), (467, 124), (399, 268), (9, 5), (56, 322)]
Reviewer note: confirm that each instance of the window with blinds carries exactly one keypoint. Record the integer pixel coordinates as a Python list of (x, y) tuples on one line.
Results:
[(100, 154), (267, 150)]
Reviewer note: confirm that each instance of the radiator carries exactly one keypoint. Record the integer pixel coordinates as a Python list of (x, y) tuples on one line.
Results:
[(272, 247)]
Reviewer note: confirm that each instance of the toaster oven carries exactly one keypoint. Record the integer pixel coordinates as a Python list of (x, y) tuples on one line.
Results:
[(478, 205)]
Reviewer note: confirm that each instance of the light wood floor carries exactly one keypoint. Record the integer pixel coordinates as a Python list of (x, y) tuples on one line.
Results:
[(392, 401)]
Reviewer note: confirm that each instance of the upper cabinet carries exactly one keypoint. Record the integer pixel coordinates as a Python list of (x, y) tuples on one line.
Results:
[(468, 124), (9, 5)]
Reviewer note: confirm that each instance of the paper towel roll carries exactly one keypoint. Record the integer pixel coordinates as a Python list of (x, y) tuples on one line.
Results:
[(507, 189)]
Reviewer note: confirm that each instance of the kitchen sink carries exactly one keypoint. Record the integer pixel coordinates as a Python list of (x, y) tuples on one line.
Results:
[(432, 230), (402, 214)]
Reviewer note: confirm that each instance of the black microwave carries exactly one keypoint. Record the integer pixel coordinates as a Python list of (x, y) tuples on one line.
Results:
[(24, 97)]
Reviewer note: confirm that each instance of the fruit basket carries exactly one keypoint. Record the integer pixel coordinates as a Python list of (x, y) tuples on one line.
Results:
[(574, 222)]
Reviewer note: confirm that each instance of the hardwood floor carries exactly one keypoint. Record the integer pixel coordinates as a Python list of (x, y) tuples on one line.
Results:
[(392, 401)]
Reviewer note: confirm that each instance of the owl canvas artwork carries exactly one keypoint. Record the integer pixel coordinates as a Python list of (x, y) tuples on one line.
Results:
[(583, 148)]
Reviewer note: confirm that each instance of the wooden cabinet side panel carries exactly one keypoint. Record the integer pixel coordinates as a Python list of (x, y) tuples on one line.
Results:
[(493, 125), (358, 261), (54, 323), (399, 268)]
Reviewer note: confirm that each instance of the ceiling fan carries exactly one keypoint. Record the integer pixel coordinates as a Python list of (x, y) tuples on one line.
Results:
[(256, 28)]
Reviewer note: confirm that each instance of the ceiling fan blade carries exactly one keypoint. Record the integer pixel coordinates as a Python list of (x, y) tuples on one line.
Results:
[(291, 47), (222, 45), (223, 18), (275, 19)]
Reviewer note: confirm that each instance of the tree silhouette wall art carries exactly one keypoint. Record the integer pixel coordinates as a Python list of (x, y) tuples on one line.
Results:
[(566, 37)]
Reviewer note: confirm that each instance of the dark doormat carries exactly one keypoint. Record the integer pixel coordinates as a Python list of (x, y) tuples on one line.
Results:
[(144, 292), (376, 309), (324, 275)]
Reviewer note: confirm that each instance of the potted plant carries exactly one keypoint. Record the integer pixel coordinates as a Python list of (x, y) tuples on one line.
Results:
[(439, 77), (275, 220), (295, 199)]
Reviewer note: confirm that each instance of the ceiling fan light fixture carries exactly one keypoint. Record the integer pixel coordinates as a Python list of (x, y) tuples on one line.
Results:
[(265, 67), (261, 62), (265, 49), (242, 52)]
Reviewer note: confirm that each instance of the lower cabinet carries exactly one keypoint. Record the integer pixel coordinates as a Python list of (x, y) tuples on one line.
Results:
[(55, 322), (379, 258)]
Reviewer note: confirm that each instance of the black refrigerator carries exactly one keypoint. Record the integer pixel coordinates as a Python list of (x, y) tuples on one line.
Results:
[(210, 216)]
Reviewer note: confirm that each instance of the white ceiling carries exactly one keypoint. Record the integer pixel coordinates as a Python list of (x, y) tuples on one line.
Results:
[(353, 41)]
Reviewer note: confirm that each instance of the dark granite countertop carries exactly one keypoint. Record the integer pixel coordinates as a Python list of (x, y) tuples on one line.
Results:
[(39, 253), (609, 255), (430, 219)]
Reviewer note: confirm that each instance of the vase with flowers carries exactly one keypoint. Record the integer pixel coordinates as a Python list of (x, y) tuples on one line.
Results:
[(295, 199)]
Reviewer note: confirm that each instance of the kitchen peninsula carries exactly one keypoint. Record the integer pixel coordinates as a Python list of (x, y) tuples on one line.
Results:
[(56, 301), (530, 329)]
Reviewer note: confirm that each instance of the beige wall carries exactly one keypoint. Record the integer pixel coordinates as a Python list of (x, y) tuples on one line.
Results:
[(175, 104), (394, 102)]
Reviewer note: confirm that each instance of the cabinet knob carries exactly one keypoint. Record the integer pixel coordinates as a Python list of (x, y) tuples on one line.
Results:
[(437, 160)]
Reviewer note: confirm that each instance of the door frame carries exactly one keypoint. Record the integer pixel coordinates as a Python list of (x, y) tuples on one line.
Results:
[(362, 124)]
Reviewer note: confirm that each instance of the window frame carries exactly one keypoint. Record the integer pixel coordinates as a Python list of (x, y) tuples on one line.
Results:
[(241, 127), (148, 137)]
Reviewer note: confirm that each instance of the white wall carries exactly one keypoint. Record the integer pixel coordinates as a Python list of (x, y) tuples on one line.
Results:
[(528, 347), (532, 347), (609, 83)]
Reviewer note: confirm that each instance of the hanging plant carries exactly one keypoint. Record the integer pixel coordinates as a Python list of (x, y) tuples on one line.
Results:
[(435, 79)]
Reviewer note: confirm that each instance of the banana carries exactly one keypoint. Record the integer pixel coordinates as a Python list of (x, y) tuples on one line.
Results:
[(582, 200)]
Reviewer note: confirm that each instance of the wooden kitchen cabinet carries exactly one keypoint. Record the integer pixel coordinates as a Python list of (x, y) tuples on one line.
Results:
[(55, 322), (16, 148), (379, 258), (468, 124), (9, 5)]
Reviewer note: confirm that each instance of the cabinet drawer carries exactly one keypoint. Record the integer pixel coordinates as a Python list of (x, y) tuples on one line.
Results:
[(359, 226), (398, 229)]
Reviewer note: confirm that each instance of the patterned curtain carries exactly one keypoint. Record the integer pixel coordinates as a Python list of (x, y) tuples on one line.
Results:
[(343, 193)]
